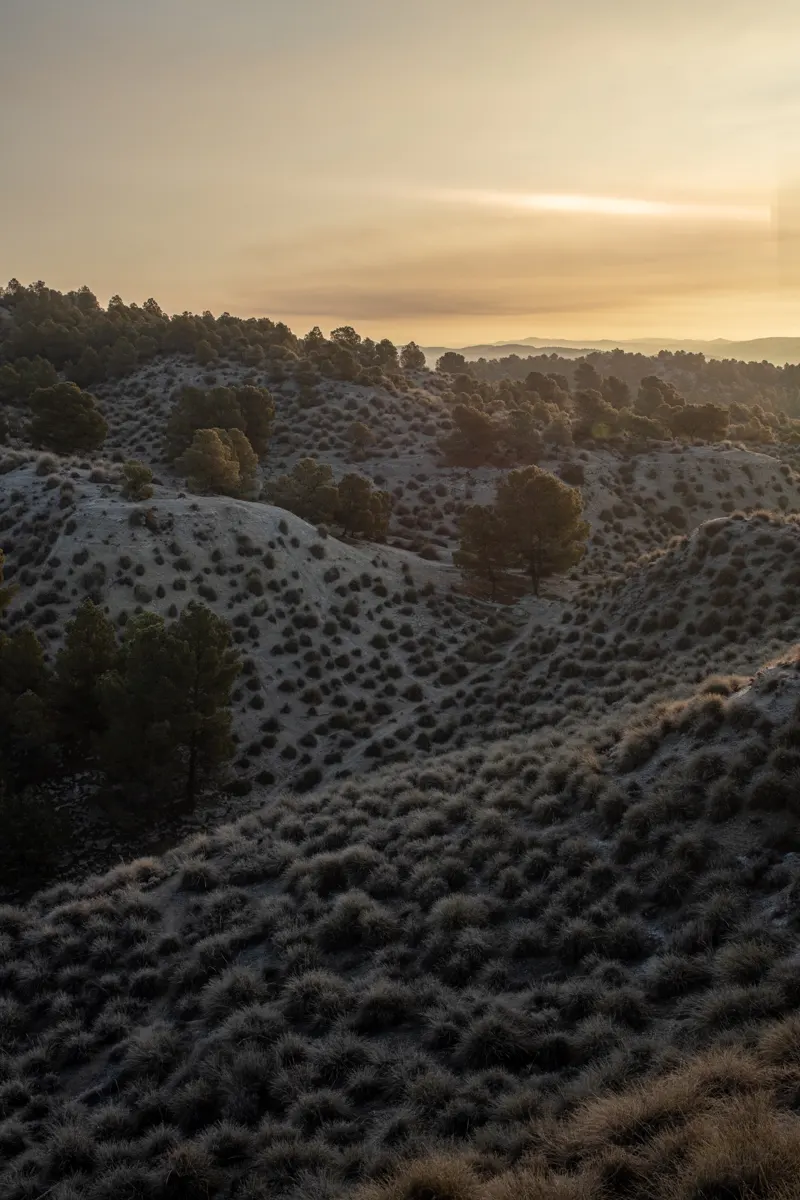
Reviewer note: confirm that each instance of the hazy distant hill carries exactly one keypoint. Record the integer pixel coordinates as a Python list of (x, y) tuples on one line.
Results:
[(502, 349), (778, 350)]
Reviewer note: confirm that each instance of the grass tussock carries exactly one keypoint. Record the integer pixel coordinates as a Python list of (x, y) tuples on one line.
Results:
[(720, 1125)]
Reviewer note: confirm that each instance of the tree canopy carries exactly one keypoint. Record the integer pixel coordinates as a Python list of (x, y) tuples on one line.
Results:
[(412, 358), (535, 524), (361, 509), (249, 409), (89, 652), (66, 420), (6, 592), (484, 552), (543, 522), (167, 703), (219, 461), (310, 491)]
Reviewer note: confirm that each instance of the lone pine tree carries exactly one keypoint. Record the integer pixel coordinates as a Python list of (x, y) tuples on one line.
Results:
[(542, 522), (362, 509), (535, 524)]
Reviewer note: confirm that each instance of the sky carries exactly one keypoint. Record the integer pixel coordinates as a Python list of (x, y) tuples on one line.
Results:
[(450, 171)]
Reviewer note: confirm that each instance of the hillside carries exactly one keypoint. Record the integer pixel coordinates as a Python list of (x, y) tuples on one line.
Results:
[(354, 654), (493, 900), (439, 953)]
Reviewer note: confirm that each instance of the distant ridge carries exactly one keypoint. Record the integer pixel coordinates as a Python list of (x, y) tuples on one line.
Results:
[(503, 349), (778, 350)]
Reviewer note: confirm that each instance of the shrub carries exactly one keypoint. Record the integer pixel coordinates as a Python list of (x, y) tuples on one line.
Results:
[(137, 481)]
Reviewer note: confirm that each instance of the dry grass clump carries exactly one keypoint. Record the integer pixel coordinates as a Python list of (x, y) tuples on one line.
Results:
[(720, 1125)]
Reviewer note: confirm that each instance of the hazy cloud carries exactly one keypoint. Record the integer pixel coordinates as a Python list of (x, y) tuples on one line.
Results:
[(538, 266), (238, 156)]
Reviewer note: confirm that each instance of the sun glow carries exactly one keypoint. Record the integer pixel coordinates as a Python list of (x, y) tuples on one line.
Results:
[(606, 206)]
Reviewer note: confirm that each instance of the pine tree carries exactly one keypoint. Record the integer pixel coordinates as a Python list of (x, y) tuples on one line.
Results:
[(656, 397), (412, 358), (168, 703), (25, 725), (211, 463), (258, 413), (522, 436), (245, 457), (559, 430), (34, 374), (708, 422), (123, 357), (595, 418), (361, 509), (308, 491), (134, 748), (66, 420), (6, 593), (196, 409), (616, 392), (205, 353), (542, 523), (381, 511), (451, 363), (209, 668), (483, 551), (10, 383), (89, 652), (587, 377), (88, 369), (250, 409), (474, 439)]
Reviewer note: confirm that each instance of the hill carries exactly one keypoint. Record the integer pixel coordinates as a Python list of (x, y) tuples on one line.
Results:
[(436, 954), (777, 350), (502, 349), (495, 898), (354, 654)]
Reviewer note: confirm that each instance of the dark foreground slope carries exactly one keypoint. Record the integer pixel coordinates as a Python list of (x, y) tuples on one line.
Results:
[(445, 954), (723, 1123)]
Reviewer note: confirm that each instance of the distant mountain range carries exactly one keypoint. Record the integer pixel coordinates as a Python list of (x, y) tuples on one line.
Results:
[(778, 350)]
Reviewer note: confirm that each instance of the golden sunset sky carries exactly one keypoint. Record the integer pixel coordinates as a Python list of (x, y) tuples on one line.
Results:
[(445, 170)]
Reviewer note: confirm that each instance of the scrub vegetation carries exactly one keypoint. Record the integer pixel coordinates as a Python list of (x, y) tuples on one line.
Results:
[(399, 768)]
